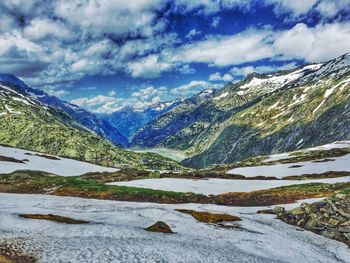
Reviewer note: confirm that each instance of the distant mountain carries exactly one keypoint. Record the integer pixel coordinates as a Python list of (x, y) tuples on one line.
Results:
[(263, 114), (26, 122), (129, 119), (170, 123), (77, 114)]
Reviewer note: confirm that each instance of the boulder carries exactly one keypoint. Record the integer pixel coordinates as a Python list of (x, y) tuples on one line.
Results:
[(160, 227), (278, 209)]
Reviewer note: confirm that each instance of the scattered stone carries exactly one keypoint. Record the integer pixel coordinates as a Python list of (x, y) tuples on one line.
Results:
[(278, 209), (265, 211), (56, 218), (298, 211), (207, 217), (160, 227), (329, 218)]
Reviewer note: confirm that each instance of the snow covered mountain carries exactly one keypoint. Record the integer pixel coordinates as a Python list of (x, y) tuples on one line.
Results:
[(77, 114), (129, 119), (263, 114)]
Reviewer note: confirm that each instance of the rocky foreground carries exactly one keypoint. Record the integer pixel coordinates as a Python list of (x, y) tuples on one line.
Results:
[(329, 217)]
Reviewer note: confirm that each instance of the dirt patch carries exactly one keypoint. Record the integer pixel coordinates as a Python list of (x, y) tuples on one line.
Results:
[(56, 218), (207, 217), (10, 159), (295, 166)]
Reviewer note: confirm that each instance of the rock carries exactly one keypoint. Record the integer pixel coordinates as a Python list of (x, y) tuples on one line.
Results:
[(265, 211), (340, 196), (297, 211), (347, 235), (333, 222), (344, 229), (301, 222), (160, 227), (308, 209), (320, 204), (346, 223), (311, 223), (278, 209), (209, 217)]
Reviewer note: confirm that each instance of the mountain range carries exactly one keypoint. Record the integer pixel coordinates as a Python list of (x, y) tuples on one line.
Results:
[(31, 119), (128, 120), (262, 114)]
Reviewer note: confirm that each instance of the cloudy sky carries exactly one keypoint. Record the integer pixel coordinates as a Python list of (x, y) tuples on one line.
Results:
[(105, 54)]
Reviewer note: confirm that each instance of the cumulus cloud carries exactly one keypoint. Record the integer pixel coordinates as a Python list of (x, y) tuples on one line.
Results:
[(148, 67), (99, 103), (223, 50), (60, 41), (218, 77), (314, 44)]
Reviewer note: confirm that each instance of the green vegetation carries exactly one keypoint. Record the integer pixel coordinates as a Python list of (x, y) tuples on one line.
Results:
[(86, 187), (48, 130)]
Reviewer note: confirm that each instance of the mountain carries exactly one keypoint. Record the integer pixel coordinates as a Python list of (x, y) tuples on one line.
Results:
[(129, 119), (26, 122), (173, 121), (263, 114), (77, 114)]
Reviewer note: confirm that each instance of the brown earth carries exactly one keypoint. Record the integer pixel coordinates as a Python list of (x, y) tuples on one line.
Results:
[(56, 218), (207, 217)]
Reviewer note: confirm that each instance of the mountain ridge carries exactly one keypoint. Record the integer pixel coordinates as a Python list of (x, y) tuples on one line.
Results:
[(209, 133), (85, 118)]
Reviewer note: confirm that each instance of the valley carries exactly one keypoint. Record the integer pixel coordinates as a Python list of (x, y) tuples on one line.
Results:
[(249, 151)]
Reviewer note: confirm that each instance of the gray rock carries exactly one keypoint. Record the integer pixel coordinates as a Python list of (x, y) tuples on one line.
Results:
[(278, 209)]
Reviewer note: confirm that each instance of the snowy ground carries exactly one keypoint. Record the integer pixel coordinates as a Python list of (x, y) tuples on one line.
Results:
[(334, 145), (341, 163), (64, 167), (218, 186), (116, 234)]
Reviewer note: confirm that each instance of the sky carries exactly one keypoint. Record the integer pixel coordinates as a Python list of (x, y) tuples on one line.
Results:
[(106, 54)]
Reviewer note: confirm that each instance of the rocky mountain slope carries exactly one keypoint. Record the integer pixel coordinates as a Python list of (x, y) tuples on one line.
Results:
[(169, 124), (25, 122), (129, 119), (263, 114), (77, 114)]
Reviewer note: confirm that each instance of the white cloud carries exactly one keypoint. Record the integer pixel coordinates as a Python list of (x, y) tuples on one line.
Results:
[(99, 103), (112, 93), (194, 32), (314, 44), (216, 21), (111, 16), (148, 67), (218, 77), (294, 7), (211, 6), (41, 28), (221, 50), (192, 88), (330, 8), (244, 71)]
